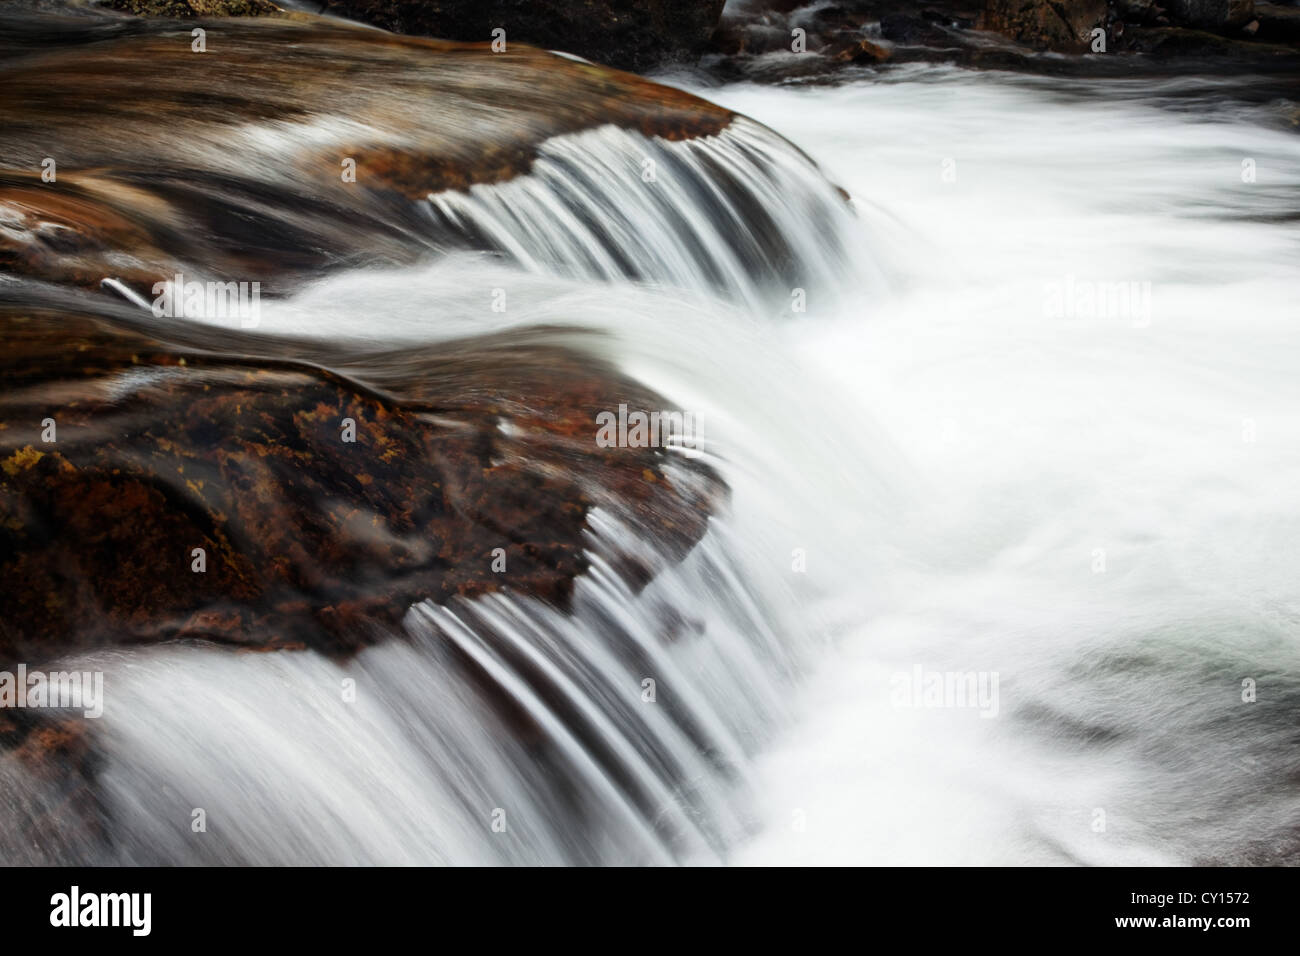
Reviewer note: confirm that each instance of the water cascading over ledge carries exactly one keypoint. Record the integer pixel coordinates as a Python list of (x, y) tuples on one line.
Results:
[(290, 148), (173, 435)]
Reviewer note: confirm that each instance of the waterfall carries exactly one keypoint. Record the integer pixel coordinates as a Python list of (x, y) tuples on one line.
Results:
[(499, 729), (939, 457), (500, 705), (742, 213)]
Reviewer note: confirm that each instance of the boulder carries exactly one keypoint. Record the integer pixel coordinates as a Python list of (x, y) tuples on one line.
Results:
[(1211, 14), (249, 187), (853, 48), (177, 443), (1166, 43), (172, 436), (635, 35), (1277, 23), (1139, 11), (1062, 26), (914, 30)]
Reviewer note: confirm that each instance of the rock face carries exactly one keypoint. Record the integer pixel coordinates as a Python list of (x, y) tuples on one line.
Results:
[(327, 488), (1277, 23), (249, 184), (160, 481), (1138, 11), (1211, 14), (195, 8), (629, 34), (163, 480), (1059, 25)]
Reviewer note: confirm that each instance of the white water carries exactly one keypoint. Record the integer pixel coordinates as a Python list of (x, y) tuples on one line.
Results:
[(1171, 441), (947, 456)]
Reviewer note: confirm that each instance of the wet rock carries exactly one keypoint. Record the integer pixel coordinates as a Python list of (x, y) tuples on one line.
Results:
[(1059, 25), (1211, 14), (948, 18), (1277, 23), (195, 8), (853, 48), (914, 30), (1166, 43), (229, 164), (203, 483), (735, 38), (1138, 11), (628, 34), (827, 21)]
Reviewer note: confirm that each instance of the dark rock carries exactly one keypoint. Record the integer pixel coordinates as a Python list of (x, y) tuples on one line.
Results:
[(1278, 24), (629, 34), (95, 100), (1138, 11), (1020, 35), (853, 48), (947, 19), (1211, 14), (195, 8), (828, 20), (1175, 42), (751, 38), (1063, 26), (172, 437), (913, 30)]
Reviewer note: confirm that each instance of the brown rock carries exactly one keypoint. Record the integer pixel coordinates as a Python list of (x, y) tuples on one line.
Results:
[(226, 164), (1062, 26), (857, 49), (172, 437), (195, 8)]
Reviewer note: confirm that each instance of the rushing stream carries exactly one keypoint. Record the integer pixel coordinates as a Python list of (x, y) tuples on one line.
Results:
[(1102, 498), (1028, 411)]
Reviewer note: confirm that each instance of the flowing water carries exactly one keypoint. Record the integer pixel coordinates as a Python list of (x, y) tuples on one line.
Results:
[(1026, 411)]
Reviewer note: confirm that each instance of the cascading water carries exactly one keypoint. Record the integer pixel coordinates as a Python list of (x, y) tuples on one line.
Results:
[(735, 213), (499, 730), (908, 488)]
